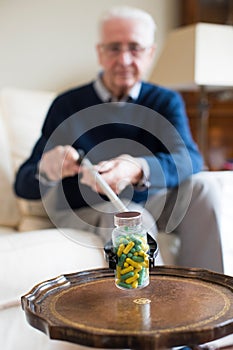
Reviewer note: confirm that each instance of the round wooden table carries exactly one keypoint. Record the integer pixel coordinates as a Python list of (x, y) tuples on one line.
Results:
[(180, 306)]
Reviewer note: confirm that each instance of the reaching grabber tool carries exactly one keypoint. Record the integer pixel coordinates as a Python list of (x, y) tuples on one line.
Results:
[(110, 255), (119, 205)]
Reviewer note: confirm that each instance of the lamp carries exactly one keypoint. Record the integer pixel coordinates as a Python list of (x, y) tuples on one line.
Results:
[(197, 57)]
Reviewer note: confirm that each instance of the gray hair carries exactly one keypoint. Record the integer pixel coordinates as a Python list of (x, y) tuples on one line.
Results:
[(127, 12)]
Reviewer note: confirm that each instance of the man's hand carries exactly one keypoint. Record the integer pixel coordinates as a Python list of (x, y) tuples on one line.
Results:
[(60, 162), (117, 172)]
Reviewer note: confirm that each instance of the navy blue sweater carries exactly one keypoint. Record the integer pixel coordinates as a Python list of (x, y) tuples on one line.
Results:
[(155, 127)]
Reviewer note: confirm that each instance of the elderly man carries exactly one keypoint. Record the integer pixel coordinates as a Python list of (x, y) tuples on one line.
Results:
[(137, 135)]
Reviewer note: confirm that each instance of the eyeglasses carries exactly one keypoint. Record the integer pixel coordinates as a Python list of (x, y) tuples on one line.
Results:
[(115, 49)]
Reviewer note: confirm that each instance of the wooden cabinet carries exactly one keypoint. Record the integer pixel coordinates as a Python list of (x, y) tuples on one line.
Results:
[(220, 124), (211, 11)]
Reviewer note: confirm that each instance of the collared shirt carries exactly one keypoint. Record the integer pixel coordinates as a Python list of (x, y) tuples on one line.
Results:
[(105, 95)]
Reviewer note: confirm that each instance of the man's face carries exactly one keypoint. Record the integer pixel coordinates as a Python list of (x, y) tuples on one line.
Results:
[(125, 53)]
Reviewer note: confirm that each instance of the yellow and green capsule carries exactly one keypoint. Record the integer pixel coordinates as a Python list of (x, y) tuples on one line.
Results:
[(124, 285), (137, 270), (135, 284), (138, 248), (118, 272), (132, 279), (120, 249), (145, 263), (124, 240), (137, 241), (141, 276), (133, 263), (139, 259), (142, 253), (121, 260), (128, 247), (126, 276), (126, 270)]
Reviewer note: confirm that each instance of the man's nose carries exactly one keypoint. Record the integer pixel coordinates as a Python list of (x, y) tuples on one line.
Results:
[(125, 57)]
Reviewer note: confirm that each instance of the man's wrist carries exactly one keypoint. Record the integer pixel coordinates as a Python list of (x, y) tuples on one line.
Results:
[(42, 177), (144, 180)]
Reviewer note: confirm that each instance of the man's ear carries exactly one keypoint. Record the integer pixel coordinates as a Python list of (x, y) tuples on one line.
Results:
[(152, 54), (153, 50), (98, 53)]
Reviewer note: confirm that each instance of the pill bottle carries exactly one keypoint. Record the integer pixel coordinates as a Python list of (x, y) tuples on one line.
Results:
[(131, 248)]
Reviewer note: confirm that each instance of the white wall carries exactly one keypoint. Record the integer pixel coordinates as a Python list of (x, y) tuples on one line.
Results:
[(49, 44)]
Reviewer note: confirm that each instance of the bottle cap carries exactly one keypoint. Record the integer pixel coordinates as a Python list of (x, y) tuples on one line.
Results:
[(128, 218)]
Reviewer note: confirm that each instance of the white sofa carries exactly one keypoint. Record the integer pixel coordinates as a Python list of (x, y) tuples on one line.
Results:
[(31, 249)]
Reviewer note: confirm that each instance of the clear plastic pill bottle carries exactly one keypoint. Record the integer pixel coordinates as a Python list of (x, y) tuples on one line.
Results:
[(131, 248)]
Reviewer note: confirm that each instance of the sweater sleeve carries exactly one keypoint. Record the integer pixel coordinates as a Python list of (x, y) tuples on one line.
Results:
[(26, 184), (180, 156)]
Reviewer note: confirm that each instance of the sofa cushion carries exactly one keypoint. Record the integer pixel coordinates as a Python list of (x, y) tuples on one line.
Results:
[(23, 112), (32, 257), (33, 216), (225, 179), (9, 211)]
